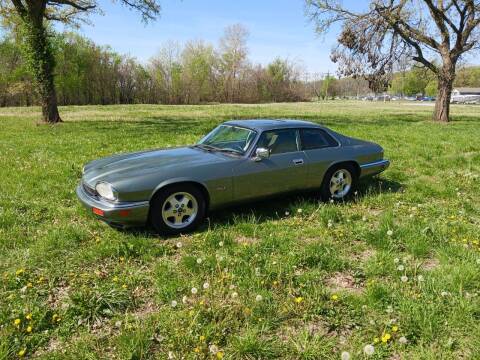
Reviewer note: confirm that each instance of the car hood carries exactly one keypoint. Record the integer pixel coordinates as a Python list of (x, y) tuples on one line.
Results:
[(167, 161)]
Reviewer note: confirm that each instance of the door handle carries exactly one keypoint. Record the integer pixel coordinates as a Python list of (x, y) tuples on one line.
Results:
[(298, 161)]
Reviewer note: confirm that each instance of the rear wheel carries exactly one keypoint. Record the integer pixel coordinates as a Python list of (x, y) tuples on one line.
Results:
[(177, 209), (339, 182)]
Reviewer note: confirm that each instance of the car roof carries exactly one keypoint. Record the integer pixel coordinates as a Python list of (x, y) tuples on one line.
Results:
[(271, 124)]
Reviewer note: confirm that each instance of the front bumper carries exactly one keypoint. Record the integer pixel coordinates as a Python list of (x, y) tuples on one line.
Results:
[(374, 168), (119, 214)]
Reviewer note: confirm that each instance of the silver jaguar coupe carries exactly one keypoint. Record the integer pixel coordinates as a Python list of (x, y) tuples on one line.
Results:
[(238, 161)]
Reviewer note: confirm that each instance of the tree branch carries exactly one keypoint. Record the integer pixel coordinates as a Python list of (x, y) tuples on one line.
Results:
[(81, 7)]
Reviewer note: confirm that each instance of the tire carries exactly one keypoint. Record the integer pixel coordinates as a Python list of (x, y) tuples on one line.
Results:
[(339, 190), (177, 209)]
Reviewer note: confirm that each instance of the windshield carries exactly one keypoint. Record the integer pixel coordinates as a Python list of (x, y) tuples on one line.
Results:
[(228, 138)]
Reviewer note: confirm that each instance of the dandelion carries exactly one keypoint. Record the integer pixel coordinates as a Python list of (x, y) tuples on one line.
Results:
[(184, 299), (396, 260), (179, 245), (334, 297), (29, 285), (55, 317), (122, 259), (220, 355), (213, 349), (403, 340), (386, 337), (124, 286), (194, 290), (400, 267), (368, 350), (28, 316), (199, 261), (234, 294), (17, 322), (19, 272), (174, 303), (259, 298), (197, 349), (29, 329), (298, 299), (389, 232), (22, 352), (404, 278), (376, 340), (394, 328), (345, 355), (206, 285)]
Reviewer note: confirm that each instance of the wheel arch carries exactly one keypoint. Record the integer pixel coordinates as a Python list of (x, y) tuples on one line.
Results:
[(353, 163), (174, 182)]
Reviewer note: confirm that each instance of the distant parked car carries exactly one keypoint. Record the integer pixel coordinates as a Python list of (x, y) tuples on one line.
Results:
[(238, 161)]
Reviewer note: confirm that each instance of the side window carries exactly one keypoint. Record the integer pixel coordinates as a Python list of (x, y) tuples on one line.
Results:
[(279, 141), (316, 139)]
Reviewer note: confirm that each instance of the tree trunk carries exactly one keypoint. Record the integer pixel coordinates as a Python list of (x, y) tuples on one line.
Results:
[(445, 86), (41, 61)]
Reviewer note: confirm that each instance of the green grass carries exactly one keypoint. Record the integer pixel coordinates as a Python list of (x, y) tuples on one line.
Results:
[(327, 273)]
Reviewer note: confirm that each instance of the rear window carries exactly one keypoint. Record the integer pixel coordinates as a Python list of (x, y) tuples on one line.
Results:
[(316, 139)]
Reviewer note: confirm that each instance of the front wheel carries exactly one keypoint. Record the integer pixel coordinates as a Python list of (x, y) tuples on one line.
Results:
[(339, 183), (177, 209)]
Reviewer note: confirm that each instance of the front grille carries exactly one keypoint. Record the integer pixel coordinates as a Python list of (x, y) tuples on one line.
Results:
[(90, 191)]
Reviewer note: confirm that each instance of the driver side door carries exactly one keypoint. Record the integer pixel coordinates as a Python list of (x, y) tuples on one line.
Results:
[(285, 170)]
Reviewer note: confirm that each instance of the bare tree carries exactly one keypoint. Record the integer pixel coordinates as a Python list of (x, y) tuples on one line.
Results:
[(233, 48), (32, 18), (427, 30)]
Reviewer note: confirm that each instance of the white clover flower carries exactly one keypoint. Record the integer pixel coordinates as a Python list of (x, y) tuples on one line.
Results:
[(396, 260), (220, 243), (174, 303), (403, 340), (444, 293), (199, 261), (179, 245), (364, 218), (213, 349), (345, 355), (389, 309), (420, 278), (331, 201), (185, 299), (404, 278), (299, 211), (389, 232), (194, 290), (170, 355), (259, 298), (400, 267), (287, 213), (368, 350), (234, 294), (206, 285), (372, 322)]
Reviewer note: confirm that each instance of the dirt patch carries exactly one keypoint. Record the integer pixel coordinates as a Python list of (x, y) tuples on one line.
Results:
[(364, 255), (246, 240), (341, 281), (59, 296), (430, 264)]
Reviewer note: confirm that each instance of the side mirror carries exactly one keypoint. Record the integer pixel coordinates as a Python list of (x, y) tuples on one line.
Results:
[(261, 153)]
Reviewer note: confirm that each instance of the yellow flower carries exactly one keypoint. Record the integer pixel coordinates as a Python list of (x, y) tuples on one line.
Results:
[(124, 286), (334, 297), (220, 355), (386, 337), (19, 272), (56, 318), (122, 259), (202, 338), (376, 340), (275, 283), (29, 329), (395, 328), (115, 279), (197, 349), (28, 316), (17, 322), (22, 352), (29, 285), (299, 299)]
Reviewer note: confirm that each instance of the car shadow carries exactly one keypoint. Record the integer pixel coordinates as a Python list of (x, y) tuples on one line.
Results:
[(275, 207)]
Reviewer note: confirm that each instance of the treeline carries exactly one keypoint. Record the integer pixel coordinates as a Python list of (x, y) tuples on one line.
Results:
[(197, 72)]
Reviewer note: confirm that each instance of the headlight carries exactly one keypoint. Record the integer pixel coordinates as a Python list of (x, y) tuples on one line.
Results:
[(106, 191)]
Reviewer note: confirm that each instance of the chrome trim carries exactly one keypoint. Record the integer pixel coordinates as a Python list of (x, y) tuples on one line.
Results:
[(383, 162), (97, 202)]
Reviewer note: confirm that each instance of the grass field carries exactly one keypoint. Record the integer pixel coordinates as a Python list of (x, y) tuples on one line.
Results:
[(397, 268)]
